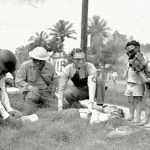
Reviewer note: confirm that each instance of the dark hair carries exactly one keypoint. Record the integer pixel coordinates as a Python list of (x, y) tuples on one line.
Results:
[(75, 50), (134, 43)]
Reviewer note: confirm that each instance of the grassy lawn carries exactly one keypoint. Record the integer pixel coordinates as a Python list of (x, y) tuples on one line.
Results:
[(67, 131)]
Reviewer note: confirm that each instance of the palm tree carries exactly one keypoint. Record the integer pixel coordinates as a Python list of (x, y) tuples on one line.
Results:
[(98, 30), (21, 54), (63, 29), (54, 45), (40, 39)]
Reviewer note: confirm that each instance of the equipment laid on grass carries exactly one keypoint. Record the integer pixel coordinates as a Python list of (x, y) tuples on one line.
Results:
[(102, 115)]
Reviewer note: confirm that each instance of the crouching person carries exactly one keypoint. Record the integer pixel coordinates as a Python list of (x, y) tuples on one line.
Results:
[(86, 84), (7, 64), (37, 80)]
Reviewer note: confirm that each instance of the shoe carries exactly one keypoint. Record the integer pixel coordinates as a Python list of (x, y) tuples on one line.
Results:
[(13, 122)]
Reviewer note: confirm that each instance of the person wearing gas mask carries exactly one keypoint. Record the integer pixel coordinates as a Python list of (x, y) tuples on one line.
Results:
[(37, 79), (86, 84), (7, 113), (135, 87)]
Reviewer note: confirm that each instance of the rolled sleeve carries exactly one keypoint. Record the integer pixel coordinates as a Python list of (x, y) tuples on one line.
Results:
[(92, 88), (92, 77)]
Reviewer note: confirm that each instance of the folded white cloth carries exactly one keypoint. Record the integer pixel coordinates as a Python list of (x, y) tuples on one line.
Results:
[(96, 116), (84, 113)]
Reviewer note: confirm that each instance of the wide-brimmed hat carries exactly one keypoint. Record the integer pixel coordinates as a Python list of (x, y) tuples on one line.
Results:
[(39, 53)]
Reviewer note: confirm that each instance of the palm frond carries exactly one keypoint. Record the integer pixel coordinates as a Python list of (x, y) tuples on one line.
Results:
[(37, 34), (62, 29), (72, 37), (32, 38)]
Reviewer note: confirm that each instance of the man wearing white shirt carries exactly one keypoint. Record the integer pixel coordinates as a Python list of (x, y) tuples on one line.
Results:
[(86, 84), (7, 64)]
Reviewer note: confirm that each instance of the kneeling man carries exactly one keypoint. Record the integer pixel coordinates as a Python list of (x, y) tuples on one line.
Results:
[(86, 84)]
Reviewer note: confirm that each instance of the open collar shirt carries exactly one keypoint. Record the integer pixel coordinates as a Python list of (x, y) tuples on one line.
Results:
[(29, 75)]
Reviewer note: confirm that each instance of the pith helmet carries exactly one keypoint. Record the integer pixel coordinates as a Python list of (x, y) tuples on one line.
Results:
[(7, 61), (39, 53)]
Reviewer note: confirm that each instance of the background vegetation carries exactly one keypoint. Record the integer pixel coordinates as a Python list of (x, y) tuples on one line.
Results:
[(106, 49)]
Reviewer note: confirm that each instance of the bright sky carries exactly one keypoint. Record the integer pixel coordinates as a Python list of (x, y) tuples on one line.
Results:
[(19, 20)]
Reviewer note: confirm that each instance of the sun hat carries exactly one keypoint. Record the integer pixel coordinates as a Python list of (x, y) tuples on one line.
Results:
[(39, 53)]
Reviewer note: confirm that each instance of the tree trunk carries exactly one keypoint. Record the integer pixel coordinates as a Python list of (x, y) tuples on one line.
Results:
[(84, 22)]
